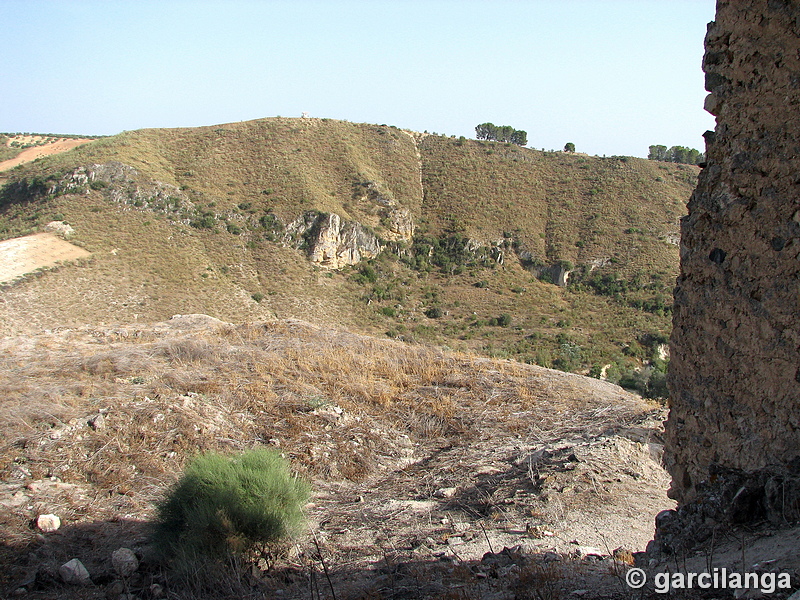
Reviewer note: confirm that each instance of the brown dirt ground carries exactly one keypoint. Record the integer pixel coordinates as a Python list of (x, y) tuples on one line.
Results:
[(435, 475), (26, 254), (31, 154), (422, 461)]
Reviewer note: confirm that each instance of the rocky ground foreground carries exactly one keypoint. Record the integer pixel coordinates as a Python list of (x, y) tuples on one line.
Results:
[(434, 474)]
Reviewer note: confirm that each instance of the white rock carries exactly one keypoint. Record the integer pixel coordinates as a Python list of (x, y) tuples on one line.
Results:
[(589, 551), (447, 492), (74, 572), (60, 228), (124, 562), (48, 523)]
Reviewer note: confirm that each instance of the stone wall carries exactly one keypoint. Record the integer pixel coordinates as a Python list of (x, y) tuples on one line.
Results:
[(733, 434)]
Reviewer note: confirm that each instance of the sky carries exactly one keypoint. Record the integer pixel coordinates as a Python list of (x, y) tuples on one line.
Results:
[(611, 76)]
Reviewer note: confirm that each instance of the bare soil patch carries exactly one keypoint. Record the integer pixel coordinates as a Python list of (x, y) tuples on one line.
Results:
[(31, 154), (25, 254)]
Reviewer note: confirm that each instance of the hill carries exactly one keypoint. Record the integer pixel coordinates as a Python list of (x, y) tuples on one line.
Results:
[(428, 238), (421, 460)]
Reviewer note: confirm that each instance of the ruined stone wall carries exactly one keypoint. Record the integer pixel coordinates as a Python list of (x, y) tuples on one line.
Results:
[(734, 427)]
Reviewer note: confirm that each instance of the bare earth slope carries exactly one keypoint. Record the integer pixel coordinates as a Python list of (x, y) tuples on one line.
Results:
[(31, 154), (26, 254), (421, 460)]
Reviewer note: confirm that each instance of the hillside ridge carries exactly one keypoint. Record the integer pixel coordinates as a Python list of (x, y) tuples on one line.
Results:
[(438, 239)]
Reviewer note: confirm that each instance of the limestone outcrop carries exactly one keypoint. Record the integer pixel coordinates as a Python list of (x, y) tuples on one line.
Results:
[(733, 433), (330, 241)]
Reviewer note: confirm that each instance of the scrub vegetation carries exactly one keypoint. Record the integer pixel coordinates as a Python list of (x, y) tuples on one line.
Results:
[(203, 229)]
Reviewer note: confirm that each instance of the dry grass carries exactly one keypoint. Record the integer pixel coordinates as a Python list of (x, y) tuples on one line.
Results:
[(347, 410), (248, 384), (560, 206)]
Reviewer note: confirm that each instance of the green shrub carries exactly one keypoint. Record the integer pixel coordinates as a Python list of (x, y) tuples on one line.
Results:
[(503, 320), (206, 221), (434, 313), (258, 296), (366, 274), (227, 505), (649, 382)]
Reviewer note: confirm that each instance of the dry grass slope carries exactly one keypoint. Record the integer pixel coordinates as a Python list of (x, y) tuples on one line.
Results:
[(609, 217), (96, 422)]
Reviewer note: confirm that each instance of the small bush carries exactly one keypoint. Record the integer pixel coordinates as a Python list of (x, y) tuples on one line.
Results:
[(434, 313), (366, 274), (503, 320), (258, 296), (207, 221), (225, 506)]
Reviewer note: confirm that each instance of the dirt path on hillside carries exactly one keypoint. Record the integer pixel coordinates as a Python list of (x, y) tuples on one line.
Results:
[(31, 154), (26, 254)]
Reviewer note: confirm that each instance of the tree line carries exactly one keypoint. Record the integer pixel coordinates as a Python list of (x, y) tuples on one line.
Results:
[(501, 133), (676, 154)]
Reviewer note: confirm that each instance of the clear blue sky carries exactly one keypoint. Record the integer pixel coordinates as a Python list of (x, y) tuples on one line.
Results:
[(611, 76)]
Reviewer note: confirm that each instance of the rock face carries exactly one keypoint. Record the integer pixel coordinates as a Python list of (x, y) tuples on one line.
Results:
[(733, 439), (331, 242), (400, 224)]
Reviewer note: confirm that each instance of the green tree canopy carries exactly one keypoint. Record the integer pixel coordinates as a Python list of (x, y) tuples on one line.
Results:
[(676, 154), (569, 147), (501, 133)]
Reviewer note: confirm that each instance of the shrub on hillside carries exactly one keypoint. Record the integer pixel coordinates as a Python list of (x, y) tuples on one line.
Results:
[(503, 320), (650, 382), (366, 274), (207, 221), (228, 505), (434, 312)]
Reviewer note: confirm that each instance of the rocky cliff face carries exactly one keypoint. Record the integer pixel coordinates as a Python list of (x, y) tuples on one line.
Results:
[(328, 240), (733, 434), (331, 242)]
